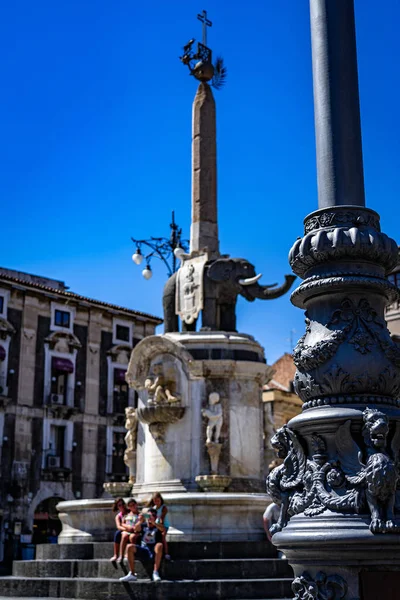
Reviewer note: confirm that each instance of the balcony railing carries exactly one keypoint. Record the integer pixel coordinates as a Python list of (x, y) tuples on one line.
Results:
[(54, 461), (56, 400)]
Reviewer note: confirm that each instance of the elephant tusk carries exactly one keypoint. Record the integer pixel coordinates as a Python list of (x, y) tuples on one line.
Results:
[(250, 280)]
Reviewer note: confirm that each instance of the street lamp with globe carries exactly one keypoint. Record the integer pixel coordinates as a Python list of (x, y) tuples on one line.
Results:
[(168, 250)]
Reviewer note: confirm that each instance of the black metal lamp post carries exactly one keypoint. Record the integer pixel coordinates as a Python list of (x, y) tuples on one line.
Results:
[(167, 250), (338, 486)]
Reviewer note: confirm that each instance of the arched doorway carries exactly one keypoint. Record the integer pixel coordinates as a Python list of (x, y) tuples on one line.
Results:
[(46, 524)]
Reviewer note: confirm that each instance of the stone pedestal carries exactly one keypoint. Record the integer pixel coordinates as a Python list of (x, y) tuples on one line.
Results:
[(172, 454), (214, 490), (214, 452), (213, 483)]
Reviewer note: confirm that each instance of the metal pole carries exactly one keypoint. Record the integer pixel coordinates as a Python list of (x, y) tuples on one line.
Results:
[(338, 484), (336, 103)]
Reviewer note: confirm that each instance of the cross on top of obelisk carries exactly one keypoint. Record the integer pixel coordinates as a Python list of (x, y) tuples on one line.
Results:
[(200, 62), (206, 23)]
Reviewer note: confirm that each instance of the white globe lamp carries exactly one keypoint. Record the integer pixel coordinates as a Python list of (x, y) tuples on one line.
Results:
[(137, 257), (147, 272)]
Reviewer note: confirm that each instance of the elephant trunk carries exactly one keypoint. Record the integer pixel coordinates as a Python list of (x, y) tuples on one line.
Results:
[(268, 292)]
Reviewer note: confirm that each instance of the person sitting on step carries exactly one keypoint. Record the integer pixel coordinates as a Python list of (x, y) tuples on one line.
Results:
[(150, 548), (120, 506), (129, 534), (157, 502)]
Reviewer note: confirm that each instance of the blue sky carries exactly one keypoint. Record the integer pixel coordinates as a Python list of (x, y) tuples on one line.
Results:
[(95, 129)]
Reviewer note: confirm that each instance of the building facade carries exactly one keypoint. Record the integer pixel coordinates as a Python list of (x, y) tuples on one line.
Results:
[(280, 403), (393, 310), (63, 394)]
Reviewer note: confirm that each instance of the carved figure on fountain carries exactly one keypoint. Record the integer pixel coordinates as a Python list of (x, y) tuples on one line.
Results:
[(348, 480), (131, 424), (159, 370), (161, 384), (379, 474), (283, 481), (215, 418)]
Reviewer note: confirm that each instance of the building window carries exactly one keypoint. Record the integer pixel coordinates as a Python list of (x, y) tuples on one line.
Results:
[(62, 318), (57, 446), (121, 392), (4, 300), (57, 456), (122, 333), (61, 371), (118, 467)]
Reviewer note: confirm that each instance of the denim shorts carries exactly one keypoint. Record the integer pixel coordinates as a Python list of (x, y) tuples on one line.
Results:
[(144, 553), (117, 536)]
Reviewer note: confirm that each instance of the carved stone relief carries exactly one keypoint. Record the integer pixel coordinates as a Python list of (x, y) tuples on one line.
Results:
[(215, 419), (190, 288), (355, 479), (161, 384), (322, 587), (359, 326), (214, 415), (63, 342), (131, 424), (120, 354), (342, 218)]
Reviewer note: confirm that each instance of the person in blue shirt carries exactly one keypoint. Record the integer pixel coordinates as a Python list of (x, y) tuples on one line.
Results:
[(151, 546)]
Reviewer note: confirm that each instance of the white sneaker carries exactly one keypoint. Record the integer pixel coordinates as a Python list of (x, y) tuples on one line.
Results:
[(156, 576), (129, 577)]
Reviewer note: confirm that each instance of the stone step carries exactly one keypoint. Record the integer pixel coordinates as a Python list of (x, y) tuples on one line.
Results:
[(105, 589), (178, 550), (176, 569)]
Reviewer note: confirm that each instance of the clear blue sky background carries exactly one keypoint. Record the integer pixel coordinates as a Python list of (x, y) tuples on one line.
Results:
[(95, 129)]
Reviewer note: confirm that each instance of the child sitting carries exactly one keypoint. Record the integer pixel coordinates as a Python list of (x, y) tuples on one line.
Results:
[(129, 533), (157, 502), (120, 506)]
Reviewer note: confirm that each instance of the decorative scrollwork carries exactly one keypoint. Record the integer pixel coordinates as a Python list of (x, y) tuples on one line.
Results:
[(358, 324), (283, 481), (322, 587), (355, 478), (343, 218), (309, 357)]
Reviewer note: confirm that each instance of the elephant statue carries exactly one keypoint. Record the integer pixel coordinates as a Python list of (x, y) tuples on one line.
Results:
[(224, 280), (171, 320)]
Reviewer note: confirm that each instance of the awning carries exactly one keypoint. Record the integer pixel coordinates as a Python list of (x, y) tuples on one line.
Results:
[(119, 376), (2, 353), (64, 365)]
